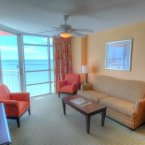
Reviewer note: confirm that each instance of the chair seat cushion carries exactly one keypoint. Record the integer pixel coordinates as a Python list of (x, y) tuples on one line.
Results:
[(67, 89), (125, 107), (12, 111)]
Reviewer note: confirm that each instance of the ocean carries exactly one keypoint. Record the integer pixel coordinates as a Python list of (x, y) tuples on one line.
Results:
[(39, 76)]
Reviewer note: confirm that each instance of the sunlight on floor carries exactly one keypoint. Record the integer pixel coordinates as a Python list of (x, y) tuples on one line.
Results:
[(38, 98)]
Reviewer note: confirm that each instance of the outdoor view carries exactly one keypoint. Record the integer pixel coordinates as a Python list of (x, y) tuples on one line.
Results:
[(34, 69)]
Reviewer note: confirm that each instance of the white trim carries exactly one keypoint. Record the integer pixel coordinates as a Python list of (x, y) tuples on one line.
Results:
[(8, 29), (36, 34), (21, 63)]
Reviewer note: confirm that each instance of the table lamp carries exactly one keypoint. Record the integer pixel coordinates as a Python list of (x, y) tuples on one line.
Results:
[(85, 70), (5, 138)]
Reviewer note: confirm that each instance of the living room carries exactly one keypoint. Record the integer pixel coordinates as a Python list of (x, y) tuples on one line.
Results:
[(48, 126)]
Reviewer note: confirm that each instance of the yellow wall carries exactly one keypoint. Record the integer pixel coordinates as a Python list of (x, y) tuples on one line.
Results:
[(84, 51), (76, 55), (79, 49), (96, 47)]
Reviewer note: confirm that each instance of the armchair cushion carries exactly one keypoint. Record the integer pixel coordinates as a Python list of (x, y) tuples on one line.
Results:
[(72, 78), (69, 88)]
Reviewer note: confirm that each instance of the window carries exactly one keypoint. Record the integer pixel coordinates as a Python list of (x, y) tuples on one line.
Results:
[(27, 65)]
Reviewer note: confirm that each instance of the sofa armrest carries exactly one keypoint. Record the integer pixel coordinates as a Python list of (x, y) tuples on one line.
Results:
[(23, 96), (88, 86), (140, 106), (140, 110)]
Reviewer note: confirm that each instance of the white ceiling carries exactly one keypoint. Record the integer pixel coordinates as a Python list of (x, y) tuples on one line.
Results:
[(34, 16)]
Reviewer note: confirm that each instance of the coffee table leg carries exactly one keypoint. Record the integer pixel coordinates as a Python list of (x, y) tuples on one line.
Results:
[(88, 123), (64, 110), (103, 116)]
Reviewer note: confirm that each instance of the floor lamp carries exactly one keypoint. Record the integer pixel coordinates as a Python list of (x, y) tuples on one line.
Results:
[(5, 138), (85, 70)]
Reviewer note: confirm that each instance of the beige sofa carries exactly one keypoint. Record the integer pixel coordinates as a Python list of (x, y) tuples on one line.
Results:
[(125, 99)]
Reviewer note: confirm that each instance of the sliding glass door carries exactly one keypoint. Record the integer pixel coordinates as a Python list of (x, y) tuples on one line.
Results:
[(9, 61), (38, 60)]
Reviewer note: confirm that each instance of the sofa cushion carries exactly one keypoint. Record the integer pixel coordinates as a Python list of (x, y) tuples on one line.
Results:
[(120, 105), (126, 89), (92, 95)]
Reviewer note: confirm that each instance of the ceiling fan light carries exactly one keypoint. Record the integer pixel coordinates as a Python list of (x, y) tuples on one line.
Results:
[(65, 35)]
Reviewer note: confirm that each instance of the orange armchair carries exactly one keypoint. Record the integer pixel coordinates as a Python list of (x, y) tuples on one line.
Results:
[(16, 104), (70, 84)]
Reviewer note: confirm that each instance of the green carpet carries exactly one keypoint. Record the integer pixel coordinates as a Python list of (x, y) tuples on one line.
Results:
[(48, 126)]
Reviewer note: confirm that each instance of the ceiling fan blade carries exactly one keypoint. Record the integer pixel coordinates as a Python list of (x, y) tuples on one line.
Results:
[(49, 31), (74, 33), (57, 28), (67, 29), (83, 30)]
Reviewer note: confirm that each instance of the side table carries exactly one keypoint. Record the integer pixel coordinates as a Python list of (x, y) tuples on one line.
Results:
[(86, 86)]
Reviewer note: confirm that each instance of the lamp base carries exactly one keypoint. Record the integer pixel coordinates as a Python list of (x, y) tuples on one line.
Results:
[(86, 79)]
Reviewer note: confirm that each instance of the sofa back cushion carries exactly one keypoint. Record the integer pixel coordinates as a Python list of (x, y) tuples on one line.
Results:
[(4, 92), (126, 89)]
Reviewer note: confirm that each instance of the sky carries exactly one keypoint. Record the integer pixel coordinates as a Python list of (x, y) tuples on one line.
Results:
[(9, 48)]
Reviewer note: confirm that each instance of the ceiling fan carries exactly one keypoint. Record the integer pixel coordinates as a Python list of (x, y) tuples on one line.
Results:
[(65, 30)]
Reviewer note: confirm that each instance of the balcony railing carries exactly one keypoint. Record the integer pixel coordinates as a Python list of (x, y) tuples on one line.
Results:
[(12, 79)]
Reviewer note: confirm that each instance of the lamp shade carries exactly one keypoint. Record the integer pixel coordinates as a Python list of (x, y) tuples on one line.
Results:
[(5, 138), (85, 69)]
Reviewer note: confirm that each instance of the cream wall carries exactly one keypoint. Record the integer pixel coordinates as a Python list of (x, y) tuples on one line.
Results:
[(96, 46)]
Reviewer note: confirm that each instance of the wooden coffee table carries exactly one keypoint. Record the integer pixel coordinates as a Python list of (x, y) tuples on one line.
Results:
[(88, 109)]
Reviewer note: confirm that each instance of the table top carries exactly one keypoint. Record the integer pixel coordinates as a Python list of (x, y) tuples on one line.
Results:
[(87, 107)]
